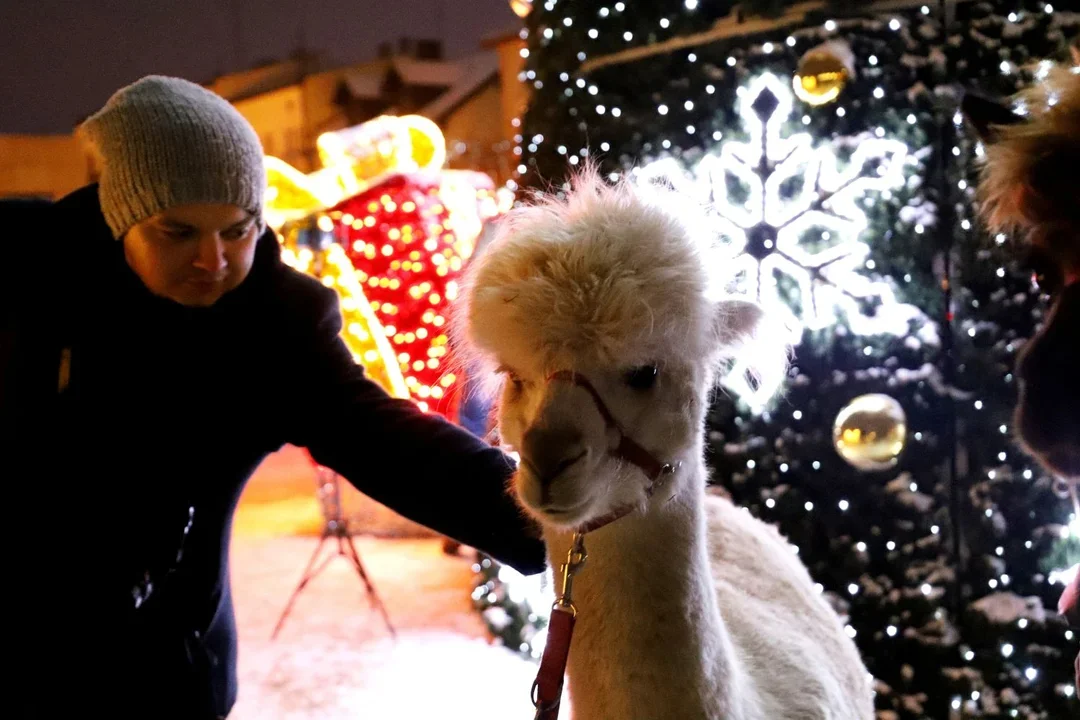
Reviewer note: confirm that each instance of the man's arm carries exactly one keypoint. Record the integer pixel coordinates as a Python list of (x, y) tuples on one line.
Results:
[(419, 465)]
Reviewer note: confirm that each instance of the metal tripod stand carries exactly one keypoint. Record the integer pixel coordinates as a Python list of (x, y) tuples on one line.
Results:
[(336, 527)]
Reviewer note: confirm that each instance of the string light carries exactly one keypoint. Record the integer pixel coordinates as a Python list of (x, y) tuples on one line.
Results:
[(891, 631)]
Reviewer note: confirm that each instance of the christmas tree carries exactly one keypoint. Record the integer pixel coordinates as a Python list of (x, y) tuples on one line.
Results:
[(841, 177)]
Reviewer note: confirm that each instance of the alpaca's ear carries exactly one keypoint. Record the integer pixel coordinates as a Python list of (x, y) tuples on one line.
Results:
[(737, 322), (986, 115), (756, 341)]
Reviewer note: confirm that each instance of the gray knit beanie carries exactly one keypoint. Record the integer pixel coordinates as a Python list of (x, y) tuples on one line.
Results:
[(163, 142)]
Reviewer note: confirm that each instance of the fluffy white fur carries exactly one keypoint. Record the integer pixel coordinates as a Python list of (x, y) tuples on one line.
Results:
[(689, 607)]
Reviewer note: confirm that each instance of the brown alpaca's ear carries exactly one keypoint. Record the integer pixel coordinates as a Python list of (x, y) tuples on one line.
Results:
[(985, 115)]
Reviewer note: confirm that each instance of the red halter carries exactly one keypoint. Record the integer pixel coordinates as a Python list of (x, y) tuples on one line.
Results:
[(627, 449), (547, 689)]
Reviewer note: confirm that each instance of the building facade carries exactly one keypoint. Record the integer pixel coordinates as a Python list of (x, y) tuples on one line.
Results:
[(291, 103)]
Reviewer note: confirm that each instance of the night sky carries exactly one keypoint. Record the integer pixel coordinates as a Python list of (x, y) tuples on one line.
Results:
[(61, 59)]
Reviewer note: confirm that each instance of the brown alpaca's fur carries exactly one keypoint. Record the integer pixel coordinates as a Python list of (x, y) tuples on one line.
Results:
[(1029, 181), (1030, 186)]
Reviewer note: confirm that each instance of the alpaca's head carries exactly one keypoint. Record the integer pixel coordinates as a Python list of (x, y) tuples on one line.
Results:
[(1029, 187), (617, 286)]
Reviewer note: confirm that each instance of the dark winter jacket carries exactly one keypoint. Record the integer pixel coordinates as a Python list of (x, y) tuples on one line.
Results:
[(132, 416)]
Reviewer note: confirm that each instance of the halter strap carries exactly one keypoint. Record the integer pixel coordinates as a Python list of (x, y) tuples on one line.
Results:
[(547, 689), (628, 449)]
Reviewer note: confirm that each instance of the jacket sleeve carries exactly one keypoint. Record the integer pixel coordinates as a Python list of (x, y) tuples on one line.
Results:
[(417, 464)]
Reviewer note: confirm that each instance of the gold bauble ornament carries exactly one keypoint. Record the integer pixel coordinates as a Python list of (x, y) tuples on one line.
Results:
[(822, 73), (521, 8), (870, 432)]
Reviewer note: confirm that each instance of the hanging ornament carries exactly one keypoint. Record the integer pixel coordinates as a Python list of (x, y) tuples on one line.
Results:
[(823, 72), (521, 8), (870, 432)]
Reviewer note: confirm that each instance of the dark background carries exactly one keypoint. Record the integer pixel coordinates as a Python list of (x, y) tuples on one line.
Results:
[(61, 59)]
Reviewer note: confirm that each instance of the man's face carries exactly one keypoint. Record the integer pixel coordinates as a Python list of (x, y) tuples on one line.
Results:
[(193, 254)]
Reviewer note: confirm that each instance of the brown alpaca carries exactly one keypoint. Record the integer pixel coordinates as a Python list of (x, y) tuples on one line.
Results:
[(1030, 186)]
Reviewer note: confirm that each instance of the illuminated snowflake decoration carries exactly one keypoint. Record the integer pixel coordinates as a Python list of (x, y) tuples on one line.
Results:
[(793, 242)]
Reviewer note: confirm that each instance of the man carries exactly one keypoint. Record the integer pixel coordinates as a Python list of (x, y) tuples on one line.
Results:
[(155, 350)]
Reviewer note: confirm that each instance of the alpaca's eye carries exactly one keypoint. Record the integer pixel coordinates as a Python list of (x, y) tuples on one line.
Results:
[(515, 382), (642, 378)]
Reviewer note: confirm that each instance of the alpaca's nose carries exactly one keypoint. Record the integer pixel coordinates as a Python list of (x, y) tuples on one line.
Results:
[(547, 453)]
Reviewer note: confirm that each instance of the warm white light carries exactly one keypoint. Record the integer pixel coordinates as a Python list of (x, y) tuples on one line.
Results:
[(1065, 576), (828, 281)]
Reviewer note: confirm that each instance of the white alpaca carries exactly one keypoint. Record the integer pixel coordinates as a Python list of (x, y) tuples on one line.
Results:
[(687, 607)]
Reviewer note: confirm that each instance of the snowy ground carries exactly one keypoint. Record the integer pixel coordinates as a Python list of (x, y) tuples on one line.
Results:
[(334, 657)]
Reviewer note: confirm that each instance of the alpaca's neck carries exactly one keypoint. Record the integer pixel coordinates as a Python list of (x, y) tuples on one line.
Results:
[(649, 641)]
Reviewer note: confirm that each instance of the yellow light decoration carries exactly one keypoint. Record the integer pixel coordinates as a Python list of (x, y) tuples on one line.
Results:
[(521, 8), (362, 332), (380, 194), (354, 159), (822, 73), (388, 144)]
